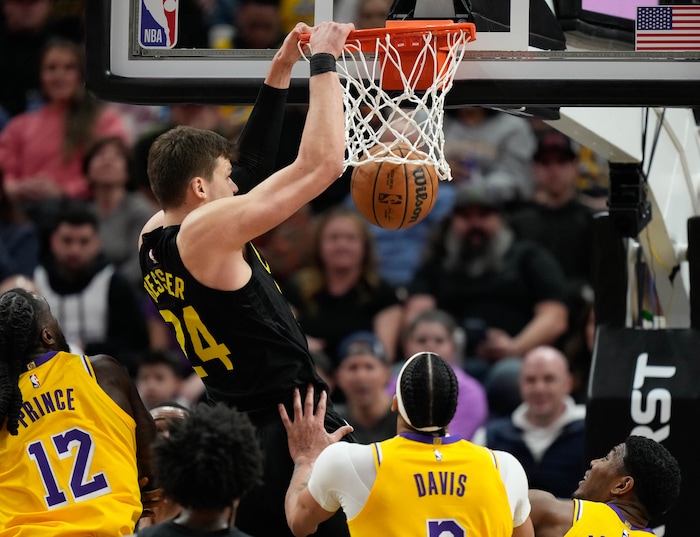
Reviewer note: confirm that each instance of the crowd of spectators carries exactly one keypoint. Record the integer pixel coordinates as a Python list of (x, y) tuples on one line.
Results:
[(500, 268)]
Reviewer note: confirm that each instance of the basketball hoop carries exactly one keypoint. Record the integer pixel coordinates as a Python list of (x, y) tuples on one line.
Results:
[(396, 79)]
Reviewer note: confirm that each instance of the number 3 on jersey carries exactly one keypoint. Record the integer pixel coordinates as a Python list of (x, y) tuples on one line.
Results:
[(200, 336)]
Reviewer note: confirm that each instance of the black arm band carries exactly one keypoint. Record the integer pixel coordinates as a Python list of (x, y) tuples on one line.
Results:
[(322, 62)]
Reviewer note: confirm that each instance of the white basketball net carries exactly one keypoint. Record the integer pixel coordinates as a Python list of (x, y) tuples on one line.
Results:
[(374, 116)]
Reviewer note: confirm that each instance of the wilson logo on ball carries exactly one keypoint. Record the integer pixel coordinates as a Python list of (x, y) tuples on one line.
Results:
[(420, 181)]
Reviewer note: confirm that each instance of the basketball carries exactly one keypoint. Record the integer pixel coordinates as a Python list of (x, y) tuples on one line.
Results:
[(394, 196)]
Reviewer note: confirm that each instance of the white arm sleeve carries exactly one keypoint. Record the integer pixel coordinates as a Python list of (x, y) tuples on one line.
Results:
[(342, 476), (515, 480)]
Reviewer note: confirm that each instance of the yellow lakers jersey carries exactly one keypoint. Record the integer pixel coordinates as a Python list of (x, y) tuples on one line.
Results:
[(597, 519), (430, 487), (71, 470)]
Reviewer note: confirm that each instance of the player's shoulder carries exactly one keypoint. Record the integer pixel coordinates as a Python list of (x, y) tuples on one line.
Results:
[(344, 462), (342, 455), (108, 369), (508, 465), (155, 222), (551, 515), (505, 458), (346, 449)]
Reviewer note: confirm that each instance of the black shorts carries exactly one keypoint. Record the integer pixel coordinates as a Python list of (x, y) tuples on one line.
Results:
[(261, 511)]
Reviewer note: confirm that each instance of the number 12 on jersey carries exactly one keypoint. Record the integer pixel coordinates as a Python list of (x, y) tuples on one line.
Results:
[(78, 445)]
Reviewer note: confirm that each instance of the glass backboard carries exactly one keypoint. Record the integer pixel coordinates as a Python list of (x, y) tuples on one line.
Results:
[(515, 60)]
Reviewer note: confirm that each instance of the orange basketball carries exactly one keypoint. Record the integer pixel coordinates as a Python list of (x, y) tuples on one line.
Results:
[(394, 196)]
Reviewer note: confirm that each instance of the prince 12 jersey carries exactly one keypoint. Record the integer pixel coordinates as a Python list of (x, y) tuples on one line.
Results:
[(246, 344), (71, 469), (597, 519), (433, 487)]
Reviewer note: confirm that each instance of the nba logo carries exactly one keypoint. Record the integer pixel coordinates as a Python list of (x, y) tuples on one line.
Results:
[(35, 381), (158, 23)]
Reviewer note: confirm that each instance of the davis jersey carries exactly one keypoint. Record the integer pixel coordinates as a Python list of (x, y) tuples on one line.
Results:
[(71, 470), (245, 344), (596, 519), (434, 487)]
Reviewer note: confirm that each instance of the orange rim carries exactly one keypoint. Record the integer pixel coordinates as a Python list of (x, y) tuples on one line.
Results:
[(408, 39), (406, 28)]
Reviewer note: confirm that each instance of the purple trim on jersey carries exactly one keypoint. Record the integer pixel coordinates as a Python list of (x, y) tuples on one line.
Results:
[(86, 363), (624, 520), (495, 459), (41, 360), (429, 439), (379, 453)]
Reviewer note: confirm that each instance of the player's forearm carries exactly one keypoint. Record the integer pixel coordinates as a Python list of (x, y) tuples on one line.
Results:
[(280, 74), (524, 530), (298, 522), (323, 139)]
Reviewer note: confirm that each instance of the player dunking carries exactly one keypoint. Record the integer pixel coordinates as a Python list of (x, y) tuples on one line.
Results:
[(75, 435), (211, 284)]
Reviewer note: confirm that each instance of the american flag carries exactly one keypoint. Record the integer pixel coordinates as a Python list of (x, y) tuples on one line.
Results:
[(668, 28)]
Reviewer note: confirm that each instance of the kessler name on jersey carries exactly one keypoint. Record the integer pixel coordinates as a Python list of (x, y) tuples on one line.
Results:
[(158, 282), (46, 403)]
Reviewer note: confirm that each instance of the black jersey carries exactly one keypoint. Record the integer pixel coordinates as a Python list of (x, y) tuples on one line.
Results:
[(246, 345)]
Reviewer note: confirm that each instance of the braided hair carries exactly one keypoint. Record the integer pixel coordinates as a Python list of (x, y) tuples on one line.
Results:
[(426, 393), (20, 312)]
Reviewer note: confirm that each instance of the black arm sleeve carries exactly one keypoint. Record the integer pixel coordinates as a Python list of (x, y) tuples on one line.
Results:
[(259, 141)]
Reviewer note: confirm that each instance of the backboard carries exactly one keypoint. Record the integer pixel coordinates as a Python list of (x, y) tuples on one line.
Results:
[(128, 61)]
